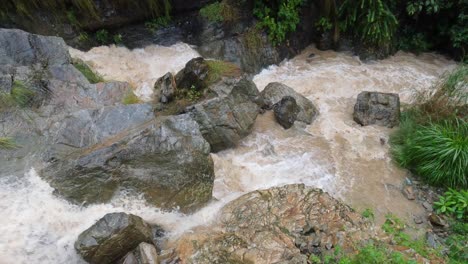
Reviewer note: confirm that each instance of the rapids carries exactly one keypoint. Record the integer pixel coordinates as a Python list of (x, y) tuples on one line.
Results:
[(334, 153)]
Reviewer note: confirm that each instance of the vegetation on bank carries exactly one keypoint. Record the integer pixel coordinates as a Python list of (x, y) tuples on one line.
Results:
[(432, 140), (19, 96), (130, 99), (219, 12), (415, 25)]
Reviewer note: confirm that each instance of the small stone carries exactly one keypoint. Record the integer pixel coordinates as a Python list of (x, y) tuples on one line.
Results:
[(382, 141), (409, 192), (437, 220), (427, 206), (418, 220)]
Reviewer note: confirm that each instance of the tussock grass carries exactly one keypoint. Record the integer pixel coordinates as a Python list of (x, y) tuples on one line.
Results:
[(87, 72), (7, 143), (130, 98), (219, 12), (219, 69), (432, 140)]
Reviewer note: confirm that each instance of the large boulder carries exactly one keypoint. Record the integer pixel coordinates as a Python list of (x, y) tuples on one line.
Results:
[(286, 111), (381, 109), (279, 225), (165, 88), (274, 93), (166, 159), (194, 74), (110, 238), (228, 117)]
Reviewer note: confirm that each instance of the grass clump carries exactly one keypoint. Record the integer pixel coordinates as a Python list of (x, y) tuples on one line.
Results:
[(218, 69), (457, 243), (21, 95), (7, 143), (87, 72), (130, 98), (157, 23), (432, 140)]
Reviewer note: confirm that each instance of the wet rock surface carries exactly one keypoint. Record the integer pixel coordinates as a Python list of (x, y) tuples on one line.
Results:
[(278, 225), (227, 118), (165, 88), (166, 159), (195, 74), (381, 109), (286, 111), (110, 238), (274, 93)]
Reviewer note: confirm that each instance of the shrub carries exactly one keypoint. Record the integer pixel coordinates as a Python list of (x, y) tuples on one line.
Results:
[(370, 20), (87, 72), (219, 12), (130, 98), (279, 19), (7, 143), (453, 202)]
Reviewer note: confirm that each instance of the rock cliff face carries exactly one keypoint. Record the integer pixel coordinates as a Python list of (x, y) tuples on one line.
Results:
[(278, 225)]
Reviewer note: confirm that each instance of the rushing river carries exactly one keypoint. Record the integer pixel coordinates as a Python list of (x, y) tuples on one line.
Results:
[(334, 153)]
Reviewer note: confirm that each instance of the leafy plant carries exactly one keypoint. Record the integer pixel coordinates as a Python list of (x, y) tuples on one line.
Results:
[(414, 42), (87, 72), (324, 24), (130, 98), (453, 202), (117, 38), (370, 20), (157, 23), (457, 242), (7, 143), (102, 36), (193, 94), (279, 19), (368, 213)]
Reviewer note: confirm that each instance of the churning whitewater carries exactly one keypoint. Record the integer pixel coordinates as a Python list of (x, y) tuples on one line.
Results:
[(334, 153)]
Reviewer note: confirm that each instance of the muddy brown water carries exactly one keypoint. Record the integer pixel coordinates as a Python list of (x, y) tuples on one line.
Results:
[(334, 153)]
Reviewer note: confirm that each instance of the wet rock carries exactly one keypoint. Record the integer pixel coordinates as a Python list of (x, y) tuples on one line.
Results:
[(268, 226), (166, 159), (165, 88), (112, 237), (6, 82), (274, 92), (409, 192), (20, 48), (437, 220), (228, 117), (147, 254), (377, 108), (194, 74), (286, 111)]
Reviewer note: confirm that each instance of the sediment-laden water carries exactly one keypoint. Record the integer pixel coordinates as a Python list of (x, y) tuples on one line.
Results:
[(334, 153)]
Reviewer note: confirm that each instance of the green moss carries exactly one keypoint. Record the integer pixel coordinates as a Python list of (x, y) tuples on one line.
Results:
[(7, 143), (253, 39), (130, 98), (218, 69), (87, 72)]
